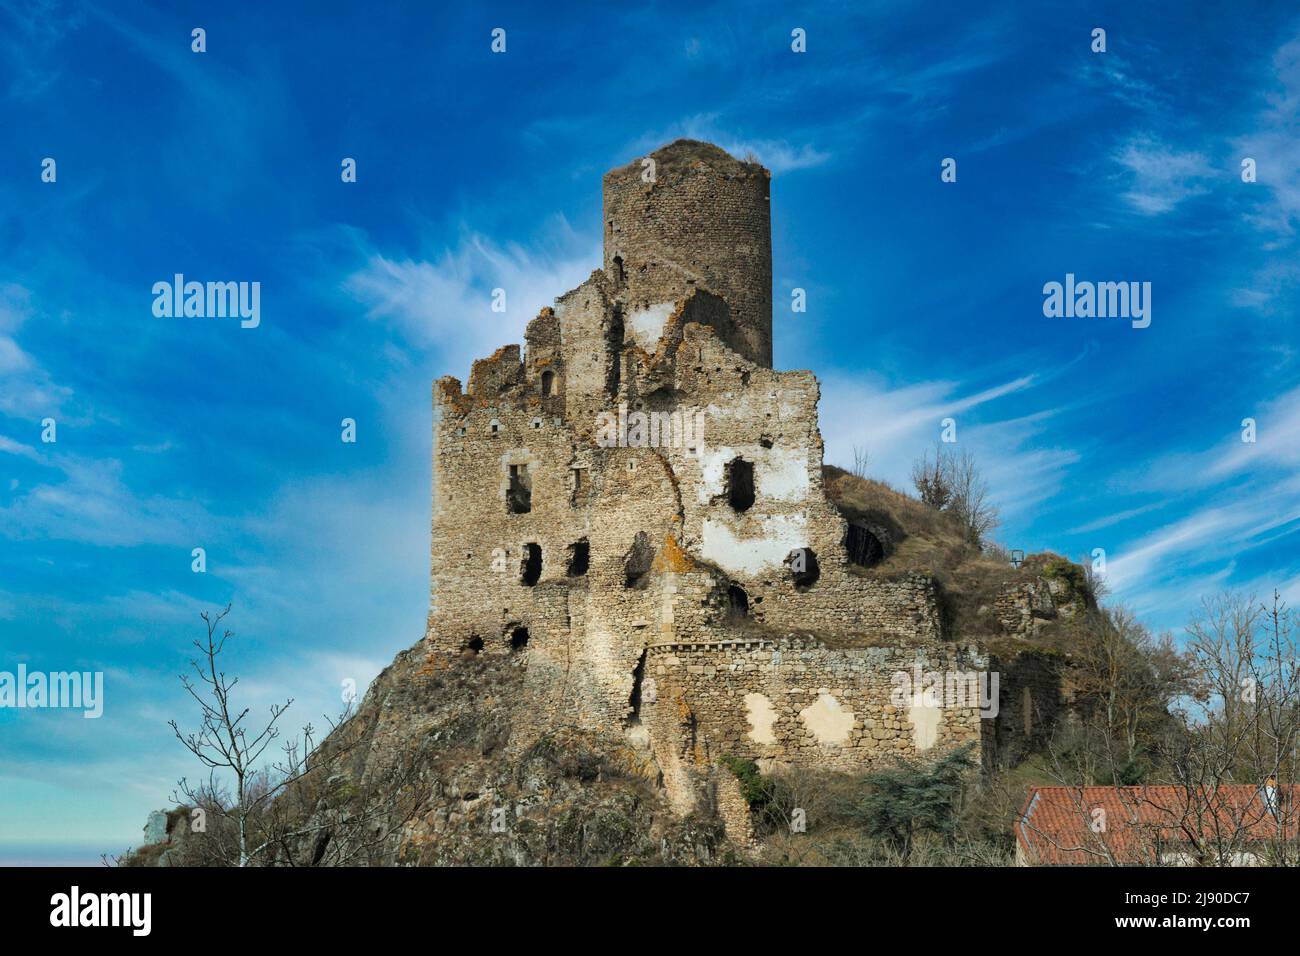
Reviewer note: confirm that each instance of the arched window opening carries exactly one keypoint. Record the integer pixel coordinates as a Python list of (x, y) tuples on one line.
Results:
[(737, 603), (548, 382), (518, 639), (804, 569), (530, 569), (740, 484), (863, 547)]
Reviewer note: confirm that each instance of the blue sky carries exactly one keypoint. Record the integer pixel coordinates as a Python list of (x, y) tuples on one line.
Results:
[(478, 171)]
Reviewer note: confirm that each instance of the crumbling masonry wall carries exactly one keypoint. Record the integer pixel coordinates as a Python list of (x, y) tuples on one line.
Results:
[(716, 569), (704, 221), (796, 702)]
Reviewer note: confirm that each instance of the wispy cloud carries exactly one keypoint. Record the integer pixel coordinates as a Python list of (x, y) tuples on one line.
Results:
[(1161, 178), (92, 501), (897, 426), (11, 447), (778, 155), (36, 28), (1206, 541), (1275, 453), (1275, 147), (445, 303), (26, 388), (1115, 74), (1119, 517)]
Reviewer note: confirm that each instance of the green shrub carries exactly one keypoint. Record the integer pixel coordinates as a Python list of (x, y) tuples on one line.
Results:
[(913, 798), (769, 798), (1056, 568), (752, 786)]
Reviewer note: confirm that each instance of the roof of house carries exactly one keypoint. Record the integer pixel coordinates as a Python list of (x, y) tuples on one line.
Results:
[(1103, 825)]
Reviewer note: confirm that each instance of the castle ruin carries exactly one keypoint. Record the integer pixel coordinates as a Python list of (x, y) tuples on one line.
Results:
[(634, 506)]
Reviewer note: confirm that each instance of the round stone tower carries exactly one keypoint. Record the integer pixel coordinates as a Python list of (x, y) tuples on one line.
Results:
[(699, 218)]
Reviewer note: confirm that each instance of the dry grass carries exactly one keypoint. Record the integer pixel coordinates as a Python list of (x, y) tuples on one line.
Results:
[(930, 541)]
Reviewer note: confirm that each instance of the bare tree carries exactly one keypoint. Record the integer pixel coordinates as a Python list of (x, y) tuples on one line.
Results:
[(298, 808), (1226, 792), (1093, 580), (952, 482), (933, 479), (970, 498), (222, 742), (1222, 637), (1127, 679), (860, 459), (1248, 731)]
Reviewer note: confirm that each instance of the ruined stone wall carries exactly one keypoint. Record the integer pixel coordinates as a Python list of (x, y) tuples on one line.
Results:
[(705, 222), (692, 627), (800, 704), (477, 547), (589, 347), (587, 633), (1031, 707), (769, 419), (544, 357)]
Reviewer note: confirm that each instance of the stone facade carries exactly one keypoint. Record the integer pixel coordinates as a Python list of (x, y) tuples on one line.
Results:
[(795, 702), (694, 218), (636, 501)]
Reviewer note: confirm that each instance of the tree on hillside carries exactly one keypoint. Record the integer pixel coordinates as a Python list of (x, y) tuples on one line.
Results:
[(297, 810), (1127, 681), (1221, 723), (933, 479), (860, 460), (952, 482)]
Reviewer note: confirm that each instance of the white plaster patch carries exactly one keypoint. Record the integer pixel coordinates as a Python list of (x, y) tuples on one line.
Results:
[(925, 725), (638, 736), (793, 403), (761, 717), (827, 720), (713, 463), (778, 536), (782, 474), (646, 326)]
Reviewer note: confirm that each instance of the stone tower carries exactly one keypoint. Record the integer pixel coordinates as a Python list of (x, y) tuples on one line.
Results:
[(703, 221), (681, 577)]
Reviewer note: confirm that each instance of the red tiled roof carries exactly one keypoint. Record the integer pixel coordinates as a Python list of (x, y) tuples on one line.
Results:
[(1104, 825)]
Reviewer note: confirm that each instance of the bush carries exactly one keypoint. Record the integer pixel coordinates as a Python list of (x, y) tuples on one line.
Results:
[(914, 798), (1071, 575), (768, 798)]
